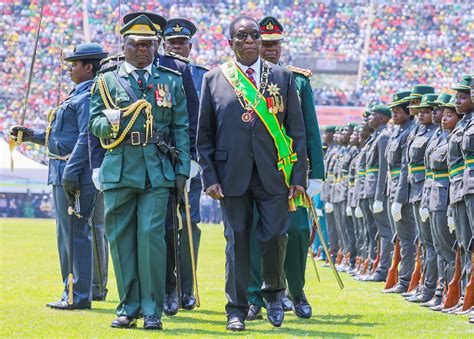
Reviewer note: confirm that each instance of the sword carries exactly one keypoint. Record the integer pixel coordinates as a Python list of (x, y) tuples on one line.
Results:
[(191, 247), (19, 138)]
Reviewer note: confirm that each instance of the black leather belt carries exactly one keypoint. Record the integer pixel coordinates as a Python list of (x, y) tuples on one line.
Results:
[(139, 138)]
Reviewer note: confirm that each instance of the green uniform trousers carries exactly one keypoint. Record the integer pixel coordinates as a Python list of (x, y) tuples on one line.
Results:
[(295, 260), (135, 227)]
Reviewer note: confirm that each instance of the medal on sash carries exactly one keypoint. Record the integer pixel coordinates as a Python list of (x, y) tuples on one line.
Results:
[(246, 117)]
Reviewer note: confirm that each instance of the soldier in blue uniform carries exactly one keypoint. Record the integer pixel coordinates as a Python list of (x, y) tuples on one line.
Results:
[(69, 172), (177, 35)]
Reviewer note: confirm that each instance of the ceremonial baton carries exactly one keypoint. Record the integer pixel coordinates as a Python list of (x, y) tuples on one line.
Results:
[(19, 138), (323, 243)]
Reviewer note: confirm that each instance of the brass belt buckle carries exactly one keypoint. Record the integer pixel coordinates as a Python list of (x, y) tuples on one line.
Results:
[(135, 138)]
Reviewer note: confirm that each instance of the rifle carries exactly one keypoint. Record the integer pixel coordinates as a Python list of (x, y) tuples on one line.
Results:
[(392, 276), (454, 291), (377, 258), (74, 208), (339, 257), (416, 275), (469, 295), (95, 243)]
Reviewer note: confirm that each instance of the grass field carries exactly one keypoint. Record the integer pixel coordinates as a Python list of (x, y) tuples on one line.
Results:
[(29, 278)]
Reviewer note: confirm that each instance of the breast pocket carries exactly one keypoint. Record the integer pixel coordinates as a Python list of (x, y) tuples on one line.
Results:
[(468, 140), (111, 169), (394, 155), (61, 114), (418, 149)]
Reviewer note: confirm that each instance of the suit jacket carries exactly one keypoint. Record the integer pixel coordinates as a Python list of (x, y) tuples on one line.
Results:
[(130, 166), (69, 136), (229, 148)]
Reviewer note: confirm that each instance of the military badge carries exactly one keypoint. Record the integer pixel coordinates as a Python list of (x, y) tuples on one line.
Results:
[(177, 28)]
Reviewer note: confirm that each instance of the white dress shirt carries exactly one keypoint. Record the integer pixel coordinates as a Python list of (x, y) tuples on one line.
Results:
[(255, 67), (130, 69)]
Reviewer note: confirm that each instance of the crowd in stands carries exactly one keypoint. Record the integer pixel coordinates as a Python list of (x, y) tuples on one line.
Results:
[(408, 43), (26, 205)]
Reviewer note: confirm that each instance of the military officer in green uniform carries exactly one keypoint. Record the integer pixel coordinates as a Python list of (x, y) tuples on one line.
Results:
[(136, 111), (299, 232)]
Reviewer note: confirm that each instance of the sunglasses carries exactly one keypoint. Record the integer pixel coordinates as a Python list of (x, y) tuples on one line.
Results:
[(242, 36)]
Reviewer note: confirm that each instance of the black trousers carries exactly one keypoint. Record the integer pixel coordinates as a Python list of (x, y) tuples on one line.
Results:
[(271, 232)]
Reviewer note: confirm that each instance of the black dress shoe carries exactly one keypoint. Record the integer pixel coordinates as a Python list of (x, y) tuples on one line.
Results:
[(235, 324), (433, 302), (302, 308), (64, 305), (188, 302), (255, 312), (124, 322), (420, 298), (398, 288), (152, 323), (377, 277), (275, 313), (171, 304), (286, 304)]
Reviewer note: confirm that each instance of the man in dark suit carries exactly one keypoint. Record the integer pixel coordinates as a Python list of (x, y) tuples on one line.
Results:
[(249, 112)]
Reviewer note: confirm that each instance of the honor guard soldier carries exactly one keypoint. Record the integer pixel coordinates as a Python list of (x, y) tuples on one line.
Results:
[(136, 111), (418, 177), (299, 231), (177, 35), (397, 187), (375, 187), (249, 111), (435, 161), (66, 147)]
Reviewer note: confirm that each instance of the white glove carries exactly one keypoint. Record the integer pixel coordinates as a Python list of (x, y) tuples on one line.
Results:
[(319, 213), (378, 206), (396, 210), (194, 170), (95, 178), (358, 213), (314, 187), (424, 214), (349, 211), (451, 224), (329, 208)]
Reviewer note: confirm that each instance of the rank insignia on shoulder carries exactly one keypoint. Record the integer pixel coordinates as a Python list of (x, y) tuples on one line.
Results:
[(177, 56), (306, 72), (166, 69)]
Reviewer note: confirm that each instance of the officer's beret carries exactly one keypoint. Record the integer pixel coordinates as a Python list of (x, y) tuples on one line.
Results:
[(179, 28), (87, 51)]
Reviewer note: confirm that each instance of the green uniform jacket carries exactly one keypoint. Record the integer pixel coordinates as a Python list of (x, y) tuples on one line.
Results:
[(128, 165), (314, 147)]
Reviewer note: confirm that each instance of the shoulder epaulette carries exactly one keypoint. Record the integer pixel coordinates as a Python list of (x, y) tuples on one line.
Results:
[(177, 56), (202, 67), (166, 69), (302, 71), (120, 57), (107, 68)]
